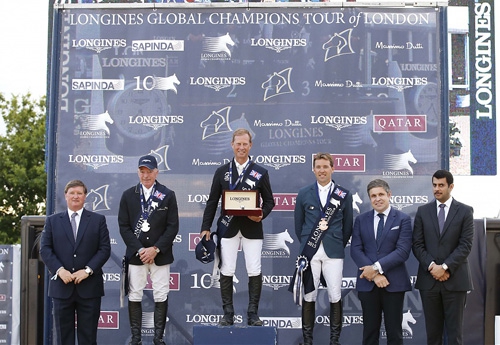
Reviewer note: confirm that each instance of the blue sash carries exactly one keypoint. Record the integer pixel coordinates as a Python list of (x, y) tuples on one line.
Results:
[(302, 281)]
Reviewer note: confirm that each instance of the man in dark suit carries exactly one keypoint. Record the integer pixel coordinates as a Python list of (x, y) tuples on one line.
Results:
[(149, 221), (323, 224), (241, 173), (442, 240), (380, 246), (74, 246)]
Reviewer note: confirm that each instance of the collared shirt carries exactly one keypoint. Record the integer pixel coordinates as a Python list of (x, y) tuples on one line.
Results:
[(147, 192), (241, 166), (376, 219), (446, 208), (77, 218), (323, 192)]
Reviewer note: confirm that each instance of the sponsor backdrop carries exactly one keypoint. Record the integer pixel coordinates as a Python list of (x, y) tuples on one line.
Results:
[(363, 84)]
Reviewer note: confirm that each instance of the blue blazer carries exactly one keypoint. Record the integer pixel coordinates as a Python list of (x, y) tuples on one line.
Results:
[(307, 211), (91, 248), (392, 252)]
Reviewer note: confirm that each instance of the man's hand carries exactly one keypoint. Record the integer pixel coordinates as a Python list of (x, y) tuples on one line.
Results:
[(255, 218), (148, 255), (205, 233), (368, 273), (439, 273), (381, 281), (66, 276), (80, 276)]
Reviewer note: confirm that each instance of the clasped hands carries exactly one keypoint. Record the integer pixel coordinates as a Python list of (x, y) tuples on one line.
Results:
[(439, 273), (68, 277), (372, 275), (148, 255)]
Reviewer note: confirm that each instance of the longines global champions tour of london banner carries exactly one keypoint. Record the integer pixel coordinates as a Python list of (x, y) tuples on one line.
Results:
[(363, 84)]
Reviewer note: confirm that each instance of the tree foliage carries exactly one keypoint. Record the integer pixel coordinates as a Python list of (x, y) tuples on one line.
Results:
[(22, 163)]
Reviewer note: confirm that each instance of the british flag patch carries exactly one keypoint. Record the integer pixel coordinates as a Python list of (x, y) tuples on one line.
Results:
[(158, 195), (340, 193), (255, 174)]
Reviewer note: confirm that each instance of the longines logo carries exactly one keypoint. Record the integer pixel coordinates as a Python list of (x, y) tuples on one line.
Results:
[(158, 45), (99, 44), (400, 123), (93, 126), (399, 165), (275, 245), (278, 44), (279, 161), (210, 319), (155, 121), (418, 67), (401, 201), (216, 48), (339, 121), (217, 83), (197, 198), (276, 282), (111, 277), (95, 161), (399, 83), (97, 84)]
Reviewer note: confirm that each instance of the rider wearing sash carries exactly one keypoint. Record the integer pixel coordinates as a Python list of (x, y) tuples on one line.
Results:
[(149, 221), (323, 224), (234, 232)]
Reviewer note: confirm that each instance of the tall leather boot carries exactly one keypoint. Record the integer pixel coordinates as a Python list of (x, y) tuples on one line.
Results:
[(226, 291), (335, 322), (160, 318), (254, 291), (135, 317), (308, 316)]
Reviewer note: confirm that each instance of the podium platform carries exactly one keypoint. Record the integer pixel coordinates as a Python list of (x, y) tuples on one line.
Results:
[(234, 335)]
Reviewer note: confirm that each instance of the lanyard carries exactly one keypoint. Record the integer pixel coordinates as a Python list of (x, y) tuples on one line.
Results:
[(146, 206), (231, 185)]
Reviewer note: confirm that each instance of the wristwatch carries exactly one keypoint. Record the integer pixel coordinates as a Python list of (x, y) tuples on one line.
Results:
[(375, 268), (157, 250), (445, 266), (88, 270)]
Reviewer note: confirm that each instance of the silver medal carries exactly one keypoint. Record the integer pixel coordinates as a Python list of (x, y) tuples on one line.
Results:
[(145, 226)]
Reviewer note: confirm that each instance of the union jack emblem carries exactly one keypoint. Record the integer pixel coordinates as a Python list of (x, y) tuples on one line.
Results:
[(158, 195), (255, 174), (340, 193)]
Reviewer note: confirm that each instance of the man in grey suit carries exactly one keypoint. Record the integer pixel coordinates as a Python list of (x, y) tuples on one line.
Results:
[(442, 240), (74, 247)]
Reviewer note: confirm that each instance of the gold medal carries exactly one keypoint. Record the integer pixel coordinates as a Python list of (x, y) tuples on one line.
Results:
[(323, 224)]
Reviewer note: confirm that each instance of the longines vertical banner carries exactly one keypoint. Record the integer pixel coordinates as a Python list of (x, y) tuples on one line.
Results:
[(483, 94), (363, 84)]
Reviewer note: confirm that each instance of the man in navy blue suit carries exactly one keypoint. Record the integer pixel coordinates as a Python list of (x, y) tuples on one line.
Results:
[(74, 246), (380, 246), (442, 248), (323, 225)]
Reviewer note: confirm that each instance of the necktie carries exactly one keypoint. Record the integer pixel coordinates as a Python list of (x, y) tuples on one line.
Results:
[(380, 227), (73, 223), (441, 217)]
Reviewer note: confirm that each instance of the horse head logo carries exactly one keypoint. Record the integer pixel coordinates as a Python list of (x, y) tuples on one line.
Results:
[(168, 83), (218, 44), (400, 161), (277, 241), (408, 318), (355, 201)]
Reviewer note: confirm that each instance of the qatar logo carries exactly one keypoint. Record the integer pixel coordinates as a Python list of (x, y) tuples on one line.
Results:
[(339, 44), (277, 241), (400, 162), (109, 320)]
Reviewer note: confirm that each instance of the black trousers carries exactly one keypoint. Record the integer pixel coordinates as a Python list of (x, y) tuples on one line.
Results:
[(87, 315), (376, 302)]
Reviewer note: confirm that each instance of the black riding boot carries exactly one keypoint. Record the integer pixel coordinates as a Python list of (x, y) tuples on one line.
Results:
[(308, 316), (335, 322), (160, 318), (135, 317), (226, 291), (254, 291)]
